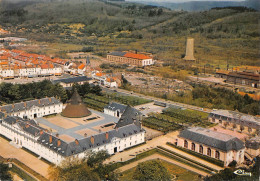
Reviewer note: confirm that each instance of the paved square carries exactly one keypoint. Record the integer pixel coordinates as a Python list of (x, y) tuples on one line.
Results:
[(86, 120), (66, 138), (87, 131), (105, 127), (70, 129), (62, 122)]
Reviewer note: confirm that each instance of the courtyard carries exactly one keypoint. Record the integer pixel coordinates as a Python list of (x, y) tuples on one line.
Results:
[(69, 129)]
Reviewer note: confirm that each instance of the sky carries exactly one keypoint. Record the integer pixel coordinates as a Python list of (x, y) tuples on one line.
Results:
[(179, 1)]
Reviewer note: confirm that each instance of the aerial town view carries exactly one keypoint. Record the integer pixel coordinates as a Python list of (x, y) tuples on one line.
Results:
[(129, 90)]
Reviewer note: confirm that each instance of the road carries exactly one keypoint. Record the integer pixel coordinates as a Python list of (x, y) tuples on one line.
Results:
[(168, 102)]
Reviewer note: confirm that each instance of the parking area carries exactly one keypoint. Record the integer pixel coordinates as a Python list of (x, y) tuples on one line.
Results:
[(145, 109)]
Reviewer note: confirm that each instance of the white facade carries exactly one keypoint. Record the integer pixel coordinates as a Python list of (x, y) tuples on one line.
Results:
[(24, 139), (146, 62), (40, 108), (32, 71), (6, 73), (115, 113)]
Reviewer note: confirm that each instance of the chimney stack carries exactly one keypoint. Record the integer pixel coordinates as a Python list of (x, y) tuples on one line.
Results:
[(50, 139), (107, 135), (49, 99), (12, 105), (58, 142), (92, 139), (39, 101), (77, 142), (85, 135), (25, 104), (57, 135), (189, 50)]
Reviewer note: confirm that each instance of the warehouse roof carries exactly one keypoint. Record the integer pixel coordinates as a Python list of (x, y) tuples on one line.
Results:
[(73, 79)]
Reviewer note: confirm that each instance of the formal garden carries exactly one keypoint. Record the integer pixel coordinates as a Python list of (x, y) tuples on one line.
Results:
[(173, 119)]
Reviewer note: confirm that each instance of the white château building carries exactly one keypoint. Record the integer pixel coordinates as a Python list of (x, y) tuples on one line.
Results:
[(34, 108), (115, 109), (26, 133)]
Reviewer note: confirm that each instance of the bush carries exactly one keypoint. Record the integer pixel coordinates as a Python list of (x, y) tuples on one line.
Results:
[(209, 159)]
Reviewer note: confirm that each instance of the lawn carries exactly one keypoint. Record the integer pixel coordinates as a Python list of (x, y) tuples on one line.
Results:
[(181, 173)]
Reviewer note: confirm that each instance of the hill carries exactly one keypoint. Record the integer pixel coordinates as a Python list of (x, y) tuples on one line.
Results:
[(201, 5), (221, 34)]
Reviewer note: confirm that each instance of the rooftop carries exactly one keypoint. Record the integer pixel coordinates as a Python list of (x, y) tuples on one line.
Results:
[(211, 138), (236, 115), (73, 79)]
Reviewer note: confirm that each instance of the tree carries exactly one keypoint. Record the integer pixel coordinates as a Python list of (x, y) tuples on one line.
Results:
[(95, 158), (84, 89), (96, 90), (151, 170), (226, 174), (72, 170), (4, 172), (105, 171)]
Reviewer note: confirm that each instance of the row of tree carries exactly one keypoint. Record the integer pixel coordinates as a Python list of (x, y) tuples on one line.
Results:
[(222, 98), (10, 93), (92, 167)]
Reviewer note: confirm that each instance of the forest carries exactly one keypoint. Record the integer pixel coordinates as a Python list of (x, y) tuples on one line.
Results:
[(11, 93)]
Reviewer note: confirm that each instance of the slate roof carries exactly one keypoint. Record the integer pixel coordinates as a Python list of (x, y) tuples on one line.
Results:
[(253, 143), (236, 117), (120, 54), (26, 125), (78, 146), (130, 116), (72, 80), (213, 139), (116, 106), (17, 107)]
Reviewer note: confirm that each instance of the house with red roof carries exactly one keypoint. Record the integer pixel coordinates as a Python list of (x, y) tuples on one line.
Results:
[(75, 68), (104, 79), (129, 58)]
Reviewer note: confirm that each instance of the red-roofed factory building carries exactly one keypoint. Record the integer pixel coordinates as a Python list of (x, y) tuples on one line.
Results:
[(136, 59)]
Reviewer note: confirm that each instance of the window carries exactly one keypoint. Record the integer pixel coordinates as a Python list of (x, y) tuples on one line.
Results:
[(193, 146), (185, 144), (209, 152), (217, 154), (201, 149)]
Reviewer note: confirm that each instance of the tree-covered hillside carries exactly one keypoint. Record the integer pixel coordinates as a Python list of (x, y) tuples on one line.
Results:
[(221, 34)]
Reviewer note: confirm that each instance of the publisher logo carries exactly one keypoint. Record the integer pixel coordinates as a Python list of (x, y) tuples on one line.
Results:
[(242, 172)]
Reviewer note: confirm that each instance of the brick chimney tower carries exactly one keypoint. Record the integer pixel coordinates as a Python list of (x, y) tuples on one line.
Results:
[(189, 56)]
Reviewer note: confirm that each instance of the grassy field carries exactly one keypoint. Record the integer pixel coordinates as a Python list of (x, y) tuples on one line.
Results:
[(179, 172)]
